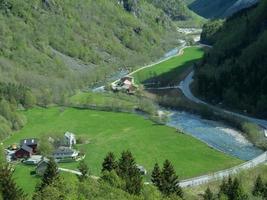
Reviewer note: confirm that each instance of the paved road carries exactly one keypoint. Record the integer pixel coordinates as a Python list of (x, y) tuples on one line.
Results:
[(155, 63), (185, 88), (224, 173)]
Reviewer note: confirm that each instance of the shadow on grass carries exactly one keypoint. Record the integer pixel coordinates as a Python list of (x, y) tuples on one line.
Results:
[(170, 78)]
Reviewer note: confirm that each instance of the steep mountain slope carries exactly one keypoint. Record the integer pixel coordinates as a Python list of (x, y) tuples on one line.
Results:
[(175, 9), (240, 4), (219, 8), (101, 35), (51, 48), (234, 72)]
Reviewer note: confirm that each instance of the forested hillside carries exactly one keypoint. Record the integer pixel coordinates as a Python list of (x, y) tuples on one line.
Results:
[(51, 48), (234, 72), (175, 9)]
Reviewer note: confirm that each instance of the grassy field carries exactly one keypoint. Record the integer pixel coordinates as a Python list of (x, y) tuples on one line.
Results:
[(103, 100), (107, 131), (189, 56)]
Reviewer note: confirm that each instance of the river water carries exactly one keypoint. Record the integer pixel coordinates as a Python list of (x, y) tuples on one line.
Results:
[(215, 134)]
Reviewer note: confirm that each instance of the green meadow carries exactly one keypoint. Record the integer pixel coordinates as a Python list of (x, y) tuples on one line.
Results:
[(110, 131), (190, 55)]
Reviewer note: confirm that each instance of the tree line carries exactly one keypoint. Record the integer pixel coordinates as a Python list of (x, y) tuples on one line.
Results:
[(122, 176)]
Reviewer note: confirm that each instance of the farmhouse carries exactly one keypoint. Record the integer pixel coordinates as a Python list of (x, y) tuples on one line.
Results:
[(65, 153), (70, 139), (125, 84), (32, 143), (24, 152)]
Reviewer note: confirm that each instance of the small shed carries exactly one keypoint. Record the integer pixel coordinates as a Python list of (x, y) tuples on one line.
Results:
[(24, 152), (41, 167), (33, 160)]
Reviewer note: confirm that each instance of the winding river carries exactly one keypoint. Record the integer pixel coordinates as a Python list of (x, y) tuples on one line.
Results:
[(214, 134)]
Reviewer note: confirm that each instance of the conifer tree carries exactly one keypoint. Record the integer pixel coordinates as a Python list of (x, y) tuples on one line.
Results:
[(83, 168), (109, 163), (208, 195), (50, 174), (8, 188), (170, 182), (126, 164), (129, 172), (236, 191), (258, 189), (156, 176)]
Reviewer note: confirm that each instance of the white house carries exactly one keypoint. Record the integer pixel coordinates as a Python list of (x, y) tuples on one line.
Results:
[(70, 139), (65, 152)]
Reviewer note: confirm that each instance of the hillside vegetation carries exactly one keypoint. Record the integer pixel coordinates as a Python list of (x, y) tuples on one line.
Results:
[(234, 71), (51, 48)]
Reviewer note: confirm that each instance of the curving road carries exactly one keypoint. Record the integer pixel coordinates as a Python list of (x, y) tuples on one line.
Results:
[(185, 88)]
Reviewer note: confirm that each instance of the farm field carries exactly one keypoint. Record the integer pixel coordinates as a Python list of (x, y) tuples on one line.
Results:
[(109, 131), (177, 63)]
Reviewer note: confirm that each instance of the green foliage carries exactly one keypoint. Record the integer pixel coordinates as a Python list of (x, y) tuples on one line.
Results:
[(156, 176), (112, 179), (50, 174), (54, 47), (129, 172), (208, 195), (166, 180), (109, 164), (83, 168), (258, 189), (232, 189), (45, 147), (233, 72), (169, 180), (210, 29), (8, 188)]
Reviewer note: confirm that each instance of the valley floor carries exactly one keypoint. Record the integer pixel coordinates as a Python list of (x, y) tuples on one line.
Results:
[(109, 131)]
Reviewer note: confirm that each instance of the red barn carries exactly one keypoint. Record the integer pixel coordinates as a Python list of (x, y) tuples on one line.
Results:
[(24, 152)]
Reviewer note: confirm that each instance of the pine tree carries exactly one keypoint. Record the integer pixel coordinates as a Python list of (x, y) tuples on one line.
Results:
[(265, 191), (129, 172), (126, 164), (83, 168), (156, 176), (8, 188), (208, 195), (109, 163), (258, 189), (50, 174), (134, 182), (236, 191), (170, 182)]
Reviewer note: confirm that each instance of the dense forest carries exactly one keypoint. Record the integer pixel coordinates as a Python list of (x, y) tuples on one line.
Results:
[(234, 71)]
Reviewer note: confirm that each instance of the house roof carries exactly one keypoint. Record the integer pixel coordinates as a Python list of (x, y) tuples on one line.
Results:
[(64, 150), (28, 142), (26, 148)]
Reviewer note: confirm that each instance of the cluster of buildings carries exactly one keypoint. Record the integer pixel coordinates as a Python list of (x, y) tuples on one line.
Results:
[(125, 84), (28, 150)]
